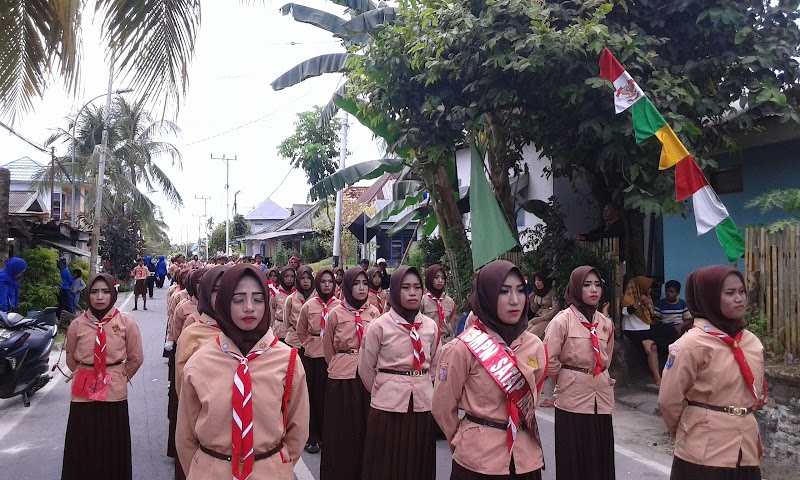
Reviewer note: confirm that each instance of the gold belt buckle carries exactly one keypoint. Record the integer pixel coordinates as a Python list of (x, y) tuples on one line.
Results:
[(737, 411), (416, 373)]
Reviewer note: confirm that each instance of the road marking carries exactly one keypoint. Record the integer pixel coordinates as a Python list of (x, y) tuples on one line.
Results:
[(13, 418), (621, 450), (125, 302), (302, 472)]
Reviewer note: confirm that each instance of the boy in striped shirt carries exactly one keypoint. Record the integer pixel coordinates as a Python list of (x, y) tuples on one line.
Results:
[(673, 310)]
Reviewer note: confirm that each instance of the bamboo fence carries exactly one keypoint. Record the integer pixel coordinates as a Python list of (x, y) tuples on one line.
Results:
[(608, 248), (772, 266)]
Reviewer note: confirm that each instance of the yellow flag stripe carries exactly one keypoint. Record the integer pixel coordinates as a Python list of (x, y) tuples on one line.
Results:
[(672, 150)]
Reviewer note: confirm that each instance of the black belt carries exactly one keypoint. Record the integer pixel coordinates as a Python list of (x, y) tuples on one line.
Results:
[(352, 351), (107, 365), (587, 371), (491, 423), (413, 373), (227, 458), (733, 411)]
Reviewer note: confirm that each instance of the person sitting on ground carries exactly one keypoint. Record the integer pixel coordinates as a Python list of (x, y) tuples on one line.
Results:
[(672, 310), (639, 325), (543, 303)]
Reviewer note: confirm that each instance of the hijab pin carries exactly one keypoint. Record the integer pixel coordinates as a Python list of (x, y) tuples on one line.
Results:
[(705, 329), (224, 346)]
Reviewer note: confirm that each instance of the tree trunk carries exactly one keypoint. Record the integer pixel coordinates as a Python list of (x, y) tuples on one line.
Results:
[(500, 162), (451, 228), (5, 186)]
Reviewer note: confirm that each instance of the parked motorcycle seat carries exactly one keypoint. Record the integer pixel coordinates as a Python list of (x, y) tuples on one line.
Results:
[(11, 319), (38, 340)]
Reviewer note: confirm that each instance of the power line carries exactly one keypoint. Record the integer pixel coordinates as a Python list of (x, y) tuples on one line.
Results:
[(29, 142)]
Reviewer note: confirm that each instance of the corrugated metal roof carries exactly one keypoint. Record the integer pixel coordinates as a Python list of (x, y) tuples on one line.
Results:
[(23, 169), (268, 210), (23, 201)]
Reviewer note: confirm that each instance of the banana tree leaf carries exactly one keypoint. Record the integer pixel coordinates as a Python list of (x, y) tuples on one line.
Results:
[(379, 126), (350, 175), (368, 21), (319, 18), (404, 188), (405, 193), (418, 213), (331, 109), (313, 67), (536, 207), (430, 225), (359, 6)]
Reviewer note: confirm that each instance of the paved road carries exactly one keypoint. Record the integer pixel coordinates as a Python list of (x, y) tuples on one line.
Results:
[(31, 439)]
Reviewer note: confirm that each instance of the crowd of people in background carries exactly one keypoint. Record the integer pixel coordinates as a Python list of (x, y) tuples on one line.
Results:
[(368, 368)]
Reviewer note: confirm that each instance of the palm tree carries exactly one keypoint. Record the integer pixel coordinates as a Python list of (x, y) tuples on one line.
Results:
[(149, 41), (134, 145)]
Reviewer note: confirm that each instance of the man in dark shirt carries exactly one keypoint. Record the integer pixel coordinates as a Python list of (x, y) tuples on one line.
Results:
[(386, 277), (611, 227)]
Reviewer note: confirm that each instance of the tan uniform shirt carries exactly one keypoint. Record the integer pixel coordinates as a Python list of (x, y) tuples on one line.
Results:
[(194, 336), (123, 342), (702, 368), (180, 315), (544, 309), (569, 343), (462, 383), (341, 335), (291, 313), (308, 326), (387, 345), (172, 305), (140, 273), (429, 309), (276, 304), (205, 411), (379, 299)]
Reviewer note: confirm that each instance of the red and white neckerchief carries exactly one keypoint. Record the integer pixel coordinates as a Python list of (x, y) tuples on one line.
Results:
[(272, 287), (286, 292), (413, 332), (324, 320), (439, 309), (738, 354), (242, 425), (359, 323), (598, 360), (378, 298), (100, 344)]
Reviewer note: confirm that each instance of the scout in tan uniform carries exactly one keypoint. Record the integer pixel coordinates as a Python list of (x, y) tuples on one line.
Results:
[(104, 349), (205, 329), (542, 303), (186, 311), (246, 375), (377, 296), (180, 296), (338, 275), (436, 304), (346, 399), (285, 289), (311, 327), (399, 348), (579, 354), (712, 382), (304, 289), (497, 438)]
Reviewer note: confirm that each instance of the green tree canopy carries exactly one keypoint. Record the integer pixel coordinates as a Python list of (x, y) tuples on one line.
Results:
[(313, 149)]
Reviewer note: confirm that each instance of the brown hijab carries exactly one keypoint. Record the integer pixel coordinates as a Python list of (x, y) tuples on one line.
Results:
[(371, 273), (394, 292), (574, 293), (318, 280), (193, 281), (349, 280), (638, 286), (303, 269), (431, 272), (182, 275), (335, 278), (483, 300), (703, 290), (207, 288), (99, 314), (281, 278), (245, 340)]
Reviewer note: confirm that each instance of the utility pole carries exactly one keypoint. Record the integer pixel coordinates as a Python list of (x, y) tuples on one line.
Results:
[(227, 199), (199, 235), (337, 224), (205, 216)]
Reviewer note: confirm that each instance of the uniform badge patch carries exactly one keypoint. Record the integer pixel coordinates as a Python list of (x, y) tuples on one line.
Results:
[(115, 328), (670, 360), (443, 371), (532, 362), (262, 345)]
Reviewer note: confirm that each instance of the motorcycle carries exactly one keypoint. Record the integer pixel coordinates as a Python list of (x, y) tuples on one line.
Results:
[(25, 345)]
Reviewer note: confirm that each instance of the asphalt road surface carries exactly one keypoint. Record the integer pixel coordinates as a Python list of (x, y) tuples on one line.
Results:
[(32, 439)]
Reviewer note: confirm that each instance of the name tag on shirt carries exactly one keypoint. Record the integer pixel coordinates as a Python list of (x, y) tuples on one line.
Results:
[(89, 386)]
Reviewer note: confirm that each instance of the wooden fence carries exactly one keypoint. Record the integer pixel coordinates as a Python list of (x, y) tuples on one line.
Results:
[(608, 248), (772, 266)]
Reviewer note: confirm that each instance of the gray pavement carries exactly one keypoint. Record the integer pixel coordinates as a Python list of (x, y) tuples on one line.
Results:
[(31, 439)]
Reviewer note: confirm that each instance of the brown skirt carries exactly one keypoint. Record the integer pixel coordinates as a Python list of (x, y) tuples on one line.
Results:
[(683, 470), (316, 376), (399, 446), (140, 287), (172, 409), (97, 445), (584, 446), (345, 426), (460, 473)]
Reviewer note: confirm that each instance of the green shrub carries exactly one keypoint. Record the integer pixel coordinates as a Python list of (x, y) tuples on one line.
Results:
[(282, 255), (39, 284)]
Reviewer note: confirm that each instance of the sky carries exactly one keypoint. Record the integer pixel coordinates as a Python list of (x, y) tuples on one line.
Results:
[(229, 109)]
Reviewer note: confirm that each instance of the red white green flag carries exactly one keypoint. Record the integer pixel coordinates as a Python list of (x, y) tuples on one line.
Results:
[(709, 212)]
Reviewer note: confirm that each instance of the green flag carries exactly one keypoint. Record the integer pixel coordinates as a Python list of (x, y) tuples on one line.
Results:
[(490, 234)]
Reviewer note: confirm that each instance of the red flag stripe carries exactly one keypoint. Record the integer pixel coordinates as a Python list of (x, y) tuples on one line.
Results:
[(610, 68), (688, 178)]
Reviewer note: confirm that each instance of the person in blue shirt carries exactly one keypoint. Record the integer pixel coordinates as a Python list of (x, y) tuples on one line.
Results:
[(161, 271), (9, 287), (64, 296), (673, 310)]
